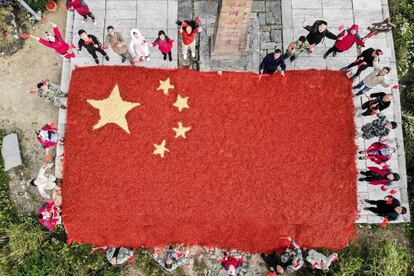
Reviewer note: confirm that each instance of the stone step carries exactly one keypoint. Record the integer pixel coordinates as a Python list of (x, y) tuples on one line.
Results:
[(231, 37)]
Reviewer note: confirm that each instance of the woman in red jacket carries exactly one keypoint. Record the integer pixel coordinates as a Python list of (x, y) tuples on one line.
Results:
[(380, 176), (81, 7), (345, 41), (165, 45), (378, 152), (56, 42)]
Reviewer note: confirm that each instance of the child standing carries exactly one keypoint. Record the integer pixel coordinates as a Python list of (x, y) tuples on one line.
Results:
[(165, 45), (297, 47), (81, 7), (189, 29), (92, 45), (138, 47)]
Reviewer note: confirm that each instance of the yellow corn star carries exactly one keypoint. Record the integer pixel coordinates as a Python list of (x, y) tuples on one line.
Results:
[(180, 131), (160, 149), (113, 110), (165, 85), (181, 103)]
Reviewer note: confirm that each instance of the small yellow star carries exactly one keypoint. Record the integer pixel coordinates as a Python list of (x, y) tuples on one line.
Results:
[(180, 131), (160, 149), (165, 85), (113, 110), (181, 103)]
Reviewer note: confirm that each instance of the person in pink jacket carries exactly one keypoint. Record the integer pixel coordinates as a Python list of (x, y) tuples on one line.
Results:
[(82, 8), (56, 42), (165, 45), (345, 41)]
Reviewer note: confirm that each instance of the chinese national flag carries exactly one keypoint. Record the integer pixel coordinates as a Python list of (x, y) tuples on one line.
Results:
[(260, 159)]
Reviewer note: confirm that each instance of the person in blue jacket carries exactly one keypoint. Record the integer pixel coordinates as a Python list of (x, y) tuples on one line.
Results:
[(272, 62)]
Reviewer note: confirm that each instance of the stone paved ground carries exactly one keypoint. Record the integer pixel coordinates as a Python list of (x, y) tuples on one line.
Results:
[(272, 22), (363, 13)]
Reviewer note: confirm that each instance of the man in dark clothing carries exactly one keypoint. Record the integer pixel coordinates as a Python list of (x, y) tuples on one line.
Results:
[(376, 102), (364, 60), (389, 208), (271, 62), (317, 33), (92, 45), (274, 262)]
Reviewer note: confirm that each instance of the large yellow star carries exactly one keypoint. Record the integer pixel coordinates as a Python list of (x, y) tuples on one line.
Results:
[(181, 103), (165, 85), (113, 110), (160, 149), (180, 131)]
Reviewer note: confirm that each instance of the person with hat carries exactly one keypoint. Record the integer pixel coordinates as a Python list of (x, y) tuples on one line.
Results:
[(366, 59), (345, 40), (296, 48)]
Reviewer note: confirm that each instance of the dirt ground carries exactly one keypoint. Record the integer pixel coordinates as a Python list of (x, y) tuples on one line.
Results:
[(23, 112)]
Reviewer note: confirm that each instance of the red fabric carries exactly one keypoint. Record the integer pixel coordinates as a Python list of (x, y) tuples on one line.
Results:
[(82, 10), (188, 38), (60, 46), (271, 273), (49, 223), (257, 163), (348, 39)]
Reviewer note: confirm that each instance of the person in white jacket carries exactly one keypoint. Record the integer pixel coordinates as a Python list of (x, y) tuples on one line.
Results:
[(138, 47), (320, 261), (44, 181)]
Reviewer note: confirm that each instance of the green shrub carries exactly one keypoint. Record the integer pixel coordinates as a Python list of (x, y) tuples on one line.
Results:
[(146, 264)]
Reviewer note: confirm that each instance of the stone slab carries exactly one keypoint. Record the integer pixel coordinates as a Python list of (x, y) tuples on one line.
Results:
[(10, 151)]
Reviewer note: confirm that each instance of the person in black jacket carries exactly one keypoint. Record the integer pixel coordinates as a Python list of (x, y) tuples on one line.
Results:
[(92, 45), (389, 208), (317, 32), (364, 60), (376, 102), (274, 263), (272, 61)]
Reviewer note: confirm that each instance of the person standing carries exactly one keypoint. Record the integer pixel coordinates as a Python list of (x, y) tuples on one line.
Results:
[(51, 93), (92, 45), (138, 47), (380, 176), (378, 152), (380, 127), (389, 208), (376, 103), (44, 181), (366, 59), (320, 261), (271, 62), (274, 263), (231, 264), (296, 48), (317, 33), (82, 8), (189, 30), (56, 42), (165, 45), (117, 43), (345, 41), (292, 258), (374, 78)]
